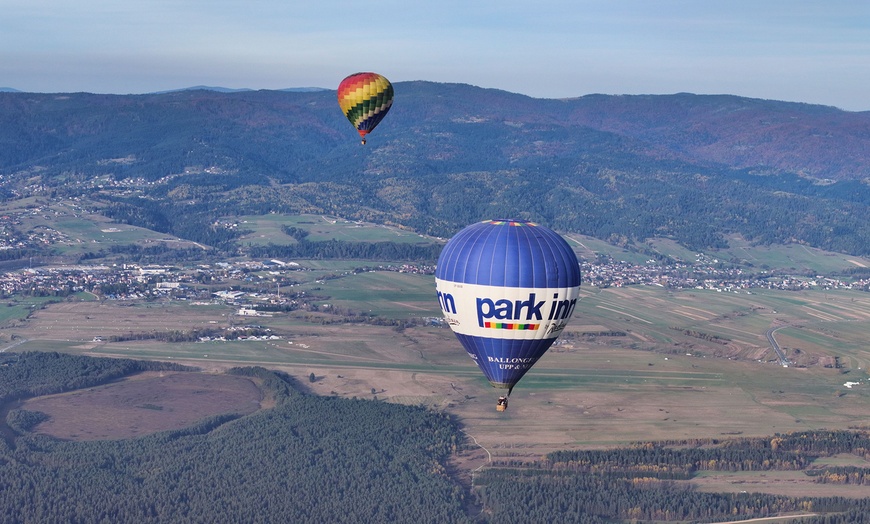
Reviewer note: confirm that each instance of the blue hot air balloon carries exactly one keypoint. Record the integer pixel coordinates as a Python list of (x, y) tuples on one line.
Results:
[(507, 289)]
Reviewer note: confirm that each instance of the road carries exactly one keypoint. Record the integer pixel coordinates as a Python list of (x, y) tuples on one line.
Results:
[(779, 354), (763, 519), (14, 344)]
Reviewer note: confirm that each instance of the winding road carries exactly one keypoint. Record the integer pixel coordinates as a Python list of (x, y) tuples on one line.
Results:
[(783, 361)]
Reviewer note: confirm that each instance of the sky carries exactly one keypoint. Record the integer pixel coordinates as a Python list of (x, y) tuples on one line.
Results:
[(810, 51)]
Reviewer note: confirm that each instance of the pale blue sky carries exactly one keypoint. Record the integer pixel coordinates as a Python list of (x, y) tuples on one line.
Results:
[(795, 50)]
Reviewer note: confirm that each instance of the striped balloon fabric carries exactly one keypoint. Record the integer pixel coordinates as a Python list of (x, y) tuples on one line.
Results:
[(365, 98)]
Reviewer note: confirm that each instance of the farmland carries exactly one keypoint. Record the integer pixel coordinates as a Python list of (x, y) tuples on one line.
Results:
[(650, 377), (71, 228), (643, 360)]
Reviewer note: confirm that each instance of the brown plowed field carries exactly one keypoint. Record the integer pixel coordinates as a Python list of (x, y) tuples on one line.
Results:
[(143, 404)]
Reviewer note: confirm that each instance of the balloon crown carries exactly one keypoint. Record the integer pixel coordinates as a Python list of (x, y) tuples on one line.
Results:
[(509, 222)]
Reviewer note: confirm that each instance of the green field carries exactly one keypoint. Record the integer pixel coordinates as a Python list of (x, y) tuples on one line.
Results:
[(20, 308), (588, 248), (796, 258), (266, 229), (80, 231), (793, 257), (386, 294), (14, 311)]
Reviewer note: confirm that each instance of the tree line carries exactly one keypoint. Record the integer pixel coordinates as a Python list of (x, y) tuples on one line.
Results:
[(642, 482), (346, 250), (519, 496)]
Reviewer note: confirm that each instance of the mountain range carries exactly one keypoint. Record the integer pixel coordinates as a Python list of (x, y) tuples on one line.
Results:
[(695, 168)]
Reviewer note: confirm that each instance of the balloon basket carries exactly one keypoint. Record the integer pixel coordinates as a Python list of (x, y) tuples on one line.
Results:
[(502, 404)]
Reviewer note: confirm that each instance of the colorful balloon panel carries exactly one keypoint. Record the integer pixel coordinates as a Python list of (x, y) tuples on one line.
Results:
[(365, 98), (507, 289)]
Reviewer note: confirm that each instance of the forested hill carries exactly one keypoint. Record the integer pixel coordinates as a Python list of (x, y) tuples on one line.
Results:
[(622, 168)]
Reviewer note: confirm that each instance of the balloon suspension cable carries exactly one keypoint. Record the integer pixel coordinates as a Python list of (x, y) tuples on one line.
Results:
[(509, 390)]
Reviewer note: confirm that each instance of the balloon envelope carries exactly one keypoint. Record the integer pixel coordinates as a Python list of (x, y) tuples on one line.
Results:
[(507, 289), (365, 98)]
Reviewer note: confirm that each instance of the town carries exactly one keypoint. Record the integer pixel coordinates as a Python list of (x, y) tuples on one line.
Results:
[(244, 283)]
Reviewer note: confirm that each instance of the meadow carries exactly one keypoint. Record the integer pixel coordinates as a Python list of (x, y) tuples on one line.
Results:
[(267, 229), (792, 257), (72, 230)]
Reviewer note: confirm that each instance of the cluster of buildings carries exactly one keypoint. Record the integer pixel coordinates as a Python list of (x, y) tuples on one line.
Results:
[(246, 282), (61, 281), (39, 236), (707, 276)]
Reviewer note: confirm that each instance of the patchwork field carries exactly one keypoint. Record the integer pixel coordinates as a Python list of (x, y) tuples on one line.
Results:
[(637, 363)]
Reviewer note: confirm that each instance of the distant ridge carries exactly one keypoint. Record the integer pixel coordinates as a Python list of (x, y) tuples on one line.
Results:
[(304, 89), (695, 169), (219, 89), (204, 88), (8, 90)]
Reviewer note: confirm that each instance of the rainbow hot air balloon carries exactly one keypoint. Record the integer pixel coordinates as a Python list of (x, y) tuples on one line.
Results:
[(365, 98), (507, 288)]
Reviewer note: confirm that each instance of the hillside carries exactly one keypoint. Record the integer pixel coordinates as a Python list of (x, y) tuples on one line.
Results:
[(621, 168)]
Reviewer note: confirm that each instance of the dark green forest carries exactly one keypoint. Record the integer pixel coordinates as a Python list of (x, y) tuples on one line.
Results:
[(623, 169), (328, 459), (310, 459), (344, 250)]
